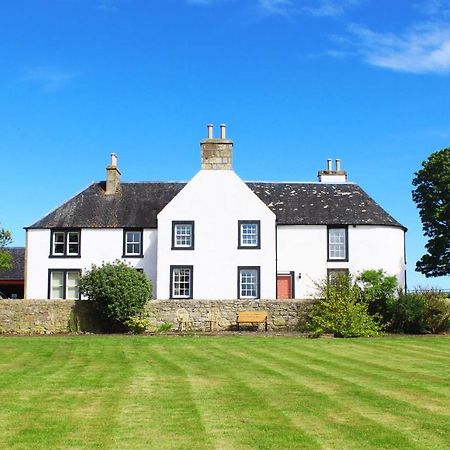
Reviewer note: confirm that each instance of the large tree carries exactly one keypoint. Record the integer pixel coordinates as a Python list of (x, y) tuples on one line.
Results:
[(5, 258), (432, 196)]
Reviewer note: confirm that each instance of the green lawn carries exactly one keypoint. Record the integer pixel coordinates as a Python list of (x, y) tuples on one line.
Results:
[(225, 392)]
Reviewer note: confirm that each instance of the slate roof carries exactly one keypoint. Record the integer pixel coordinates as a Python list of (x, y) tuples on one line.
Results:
[(17, 270), (138, 205)]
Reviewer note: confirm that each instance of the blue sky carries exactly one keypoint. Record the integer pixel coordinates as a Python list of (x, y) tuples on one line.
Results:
[(296, 81)]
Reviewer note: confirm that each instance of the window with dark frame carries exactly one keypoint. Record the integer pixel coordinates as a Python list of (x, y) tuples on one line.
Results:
[(249, 234), (181, 281), (334, 274), (337, 241), (249, 282), (65, 243), (183, 235), (64, 284), (132, 243)]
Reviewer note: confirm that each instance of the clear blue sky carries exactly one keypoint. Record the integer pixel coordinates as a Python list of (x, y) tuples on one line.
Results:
[(296, 81)]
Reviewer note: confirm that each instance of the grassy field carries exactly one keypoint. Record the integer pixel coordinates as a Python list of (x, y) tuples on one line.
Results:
[(225, 392)]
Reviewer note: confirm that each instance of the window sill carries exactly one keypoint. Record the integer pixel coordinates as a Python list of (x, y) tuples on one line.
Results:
[(132, 256), (64, 256)]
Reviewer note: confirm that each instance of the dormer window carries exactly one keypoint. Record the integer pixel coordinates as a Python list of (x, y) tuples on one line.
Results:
[(65, 243), (183, 235), (249, 234)]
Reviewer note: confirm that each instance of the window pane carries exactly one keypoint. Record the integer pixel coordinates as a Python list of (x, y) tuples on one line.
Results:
[(73, 243), (58, 243), (249, 234), (336, 243), (248, 283), (57, 285), (181, 282), (183, 235), (73, 281), (133, 242)]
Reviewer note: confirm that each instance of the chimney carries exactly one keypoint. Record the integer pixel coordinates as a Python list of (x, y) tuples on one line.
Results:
[(216, 153), (332, 176), (112, 177)]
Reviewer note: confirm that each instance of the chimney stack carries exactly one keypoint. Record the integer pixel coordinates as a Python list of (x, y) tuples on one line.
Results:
[(332, 176), (216, 153), (112, 177)]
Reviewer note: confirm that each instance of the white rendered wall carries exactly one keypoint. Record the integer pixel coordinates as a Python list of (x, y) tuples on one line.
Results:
[(303, 249), (215, 200), (97, 245)]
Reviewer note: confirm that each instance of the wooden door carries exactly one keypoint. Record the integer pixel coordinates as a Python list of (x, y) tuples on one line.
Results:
[(284, 286)]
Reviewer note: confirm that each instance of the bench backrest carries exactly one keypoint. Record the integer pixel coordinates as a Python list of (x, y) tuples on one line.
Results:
[(252, 316)]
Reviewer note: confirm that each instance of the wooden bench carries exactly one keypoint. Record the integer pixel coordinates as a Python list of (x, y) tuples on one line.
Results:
[(251, 317)]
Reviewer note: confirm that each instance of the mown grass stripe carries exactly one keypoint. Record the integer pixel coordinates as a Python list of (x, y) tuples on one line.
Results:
[(230, 405), (373, 399), (159, 411), (339, 415), (430, 384)]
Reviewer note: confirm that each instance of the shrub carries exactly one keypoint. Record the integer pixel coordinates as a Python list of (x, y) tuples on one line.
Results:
[(341, 311), (137, 324), (164, 327), (407, 313), (117, 290), (379, 291), (436, 312)]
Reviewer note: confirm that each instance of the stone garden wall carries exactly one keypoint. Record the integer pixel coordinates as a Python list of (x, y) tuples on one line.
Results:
[(64, 316)]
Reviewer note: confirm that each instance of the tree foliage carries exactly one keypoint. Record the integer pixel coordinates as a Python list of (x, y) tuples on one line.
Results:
[(432, 196), (379, 290), (119, 291), (5, 258)]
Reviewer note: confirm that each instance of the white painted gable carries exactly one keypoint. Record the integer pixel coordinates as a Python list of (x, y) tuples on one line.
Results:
[(216, 200)]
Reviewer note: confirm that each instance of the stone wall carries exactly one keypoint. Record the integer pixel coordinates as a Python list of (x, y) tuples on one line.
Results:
[(46, 316), (63, 316), (220, 315)]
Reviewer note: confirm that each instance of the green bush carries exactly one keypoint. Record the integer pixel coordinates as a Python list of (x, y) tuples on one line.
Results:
[(407, 313), (117, 290), (341, 311), (379, 291), (137, 324), (164, 327), (436, 312)]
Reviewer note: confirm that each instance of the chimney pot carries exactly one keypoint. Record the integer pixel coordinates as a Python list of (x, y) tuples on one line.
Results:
[(223, 128), (210, 131), (329, 164), (113, 160), (338, 165)]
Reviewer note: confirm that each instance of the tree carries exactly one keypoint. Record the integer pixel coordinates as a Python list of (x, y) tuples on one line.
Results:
[(119, 292), (432, 196), (378, 289), (5, 258)]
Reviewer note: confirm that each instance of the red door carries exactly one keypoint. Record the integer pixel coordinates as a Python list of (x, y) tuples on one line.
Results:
[(284, 286)]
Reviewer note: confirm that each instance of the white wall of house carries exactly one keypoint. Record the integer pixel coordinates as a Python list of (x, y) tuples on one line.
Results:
[(215, 200), (303, 249), (97, 245)]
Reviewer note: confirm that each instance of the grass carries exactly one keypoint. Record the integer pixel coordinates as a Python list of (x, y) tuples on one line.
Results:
[(225, 392)]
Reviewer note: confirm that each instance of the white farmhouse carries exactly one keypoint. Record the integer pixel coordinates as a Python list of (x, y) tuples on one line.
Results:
[(216, 237)]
